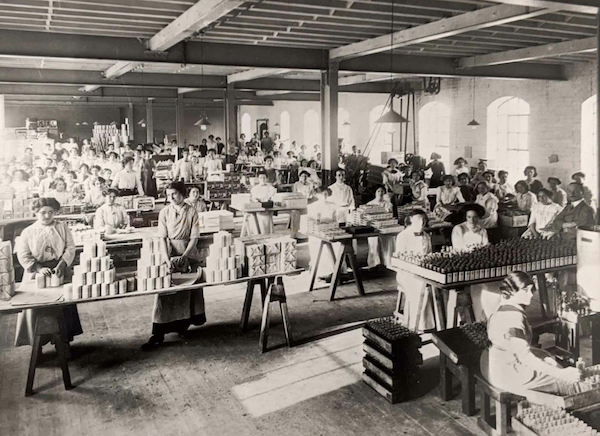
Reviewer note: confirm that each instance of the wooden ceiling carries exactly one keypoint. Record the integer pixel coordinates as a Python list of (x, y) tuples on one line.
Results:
[(556, 32)]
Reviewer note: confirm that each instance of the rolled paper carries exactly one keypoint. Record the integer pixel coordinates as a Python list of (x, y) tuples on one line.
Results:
[(90, 278), (79, 279), (232, 274), (150, 284), (131, 284), (105, 263), (141, 284), (222, 264), (77, 292), (110, 276), (166, 281), (105, 289), (100, 248), (40, 281), (98, 277), (96, 291), (163, 271), (55, 281), (123, 286), (154, 271), (95, 264), (113, 288), (231, 263), (86, 291)]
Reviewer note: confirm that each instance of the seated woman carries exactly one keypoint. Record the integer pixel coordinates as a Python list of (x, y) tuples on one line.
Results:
[(178, 229), (466, 189), (381, 247), (111, 216), (342, 196), (392, 180), (325, 212), (468, 236), (305, 187), (270, 171), (461, 167), (59, 191), (212, 166), (524, 199), (448, 194), (559, 196), (504, 190), (46, 247), (35, 181), (542, 214), (533, 184), (414, 240), (195, 200), (419, 190), (511, 363), (20, 184), (262, 193), (490, 203), (95, 196), (488, 177)]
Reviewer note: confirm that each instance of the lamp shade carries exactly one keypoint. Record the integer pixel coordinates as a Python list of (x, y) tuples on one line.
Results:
[(203, 123), (85, 123), (346, 123), (391, 117), (473, 124)]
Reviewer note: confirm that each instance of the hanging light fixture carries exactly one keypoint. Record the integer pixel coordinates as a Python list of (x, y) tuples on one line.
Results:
[(77, 124), (85, 123), (203, 122), (346, 123), (142, 122), (473, 124), (391, 116)]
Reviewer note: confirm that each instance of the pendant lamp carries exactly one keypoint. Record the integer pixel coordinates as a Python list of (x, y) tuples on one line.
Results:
[(391, 116), (473, 124)]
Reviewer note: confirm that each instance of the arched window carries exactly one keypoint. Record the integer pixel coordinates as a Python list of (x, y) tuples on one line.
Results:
[(589, 130), (434, 131), (508, 135), (312, 129), (284, 123), (344, 126), (382, 136), (247, 126)]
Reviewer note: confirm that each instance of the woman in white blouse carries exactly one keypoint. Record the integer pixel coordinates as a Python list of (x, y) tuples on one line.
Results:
[(419, 190), (524, 199), (414, 240), (59, 191), (381, 247), (111, 216), (263, 192), (542, 214), (305, 187), (462, 167), (342, 196), (490, 203), (447, 194), (503, 188)]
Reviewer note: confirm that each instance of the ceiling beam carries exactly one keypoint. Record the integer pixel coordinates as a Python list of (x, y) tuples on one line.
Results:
[(580, 6), (584, 45), (468, 22), (202, 14), (120, 68), (363, 78), (256, 73), (89, 88)]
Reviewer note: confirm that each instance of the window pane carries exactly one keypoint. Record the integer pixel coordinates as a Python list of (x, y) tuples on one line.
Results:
[(513, 124), (524, 124), (523, 141)]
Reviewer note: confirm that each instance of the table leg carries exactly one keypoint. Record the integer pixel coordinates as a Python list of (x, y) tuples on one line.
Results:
[(36, 350), (445, 379), (62, 343), (244, 230), (339, 259), (247, 304), (467, 390), (543, 290), (264, 286), (264, 324), (255, 216), (438, 308), (315, 267), (452, 315), (355, 269)]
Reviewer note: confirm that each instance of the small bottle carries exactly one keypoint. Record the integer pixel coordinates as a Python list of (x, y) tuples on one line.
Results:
[(580, 364)]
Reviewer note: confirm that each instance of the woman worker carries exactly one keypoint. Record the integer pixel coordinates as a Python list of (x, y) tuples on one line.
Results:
[(262, 193), (542, 214), (392, 180), (381, 248), (489, 202), (414, 240), (511, 363), (45, 247), (111, 216), (127, 181), (178, 227), (195, 200), (419, 190), (437, 169), (447, 195), (524, 199), (342, 196), (305, 187)]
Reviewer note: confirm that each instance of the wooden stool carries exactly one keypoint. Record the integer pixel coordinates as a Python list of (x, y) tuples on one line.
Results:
[(275, 293), (49, 322), (430, 294), (460, 304), (502, 400), (248, 300)]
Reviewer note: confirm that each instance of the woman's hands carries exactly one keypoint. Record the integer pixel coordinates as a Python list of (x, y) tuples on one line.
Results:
[(44, 271), (59, 270), (570, 374)]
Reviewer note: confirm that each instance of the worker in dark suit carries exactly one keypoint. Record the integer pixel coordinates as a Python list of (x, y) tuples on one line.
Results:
[(576, 213)]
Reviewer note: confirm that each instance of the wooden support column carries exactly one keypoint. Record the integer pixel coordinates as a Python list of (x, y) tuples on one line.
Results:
[(329, 122), (2, 119), (230, 121), (179, 120), (149, 122), (131, 123), (598, 119)]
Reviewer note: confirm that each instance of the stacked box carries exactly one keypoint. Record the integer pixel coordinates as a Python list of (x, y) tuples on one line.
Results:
[(215, 220), (392, 359), (143, 203), (290, 199), (289, 255), (222, 263), (152, 270), (7, 271), (326, 229), (267, 254), (95, 276), (252, 252)]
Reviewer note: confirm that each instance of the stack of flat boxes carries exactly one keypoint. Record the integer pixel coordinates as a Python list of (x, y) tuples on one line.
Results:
[(267, 255), (7, 271), (19, 207), (95, 276), (222, 264), (291, 200), (392, 359), (152, 270)]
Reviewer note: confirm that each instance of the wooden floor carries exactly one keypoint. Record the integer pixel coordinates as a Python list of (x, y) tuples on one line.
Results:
[(216, 382)]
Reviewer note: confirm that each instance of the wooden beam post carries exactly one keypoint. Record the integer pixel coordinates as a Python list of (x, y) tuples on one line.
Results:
[(329, 121), (230, 120), (598, 120), (149, 122), (131, 122), (180, 120)]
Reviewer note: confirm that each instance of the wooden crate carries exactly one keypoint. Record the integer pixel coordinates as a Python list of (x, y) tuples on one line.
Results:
[(514, 221)]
